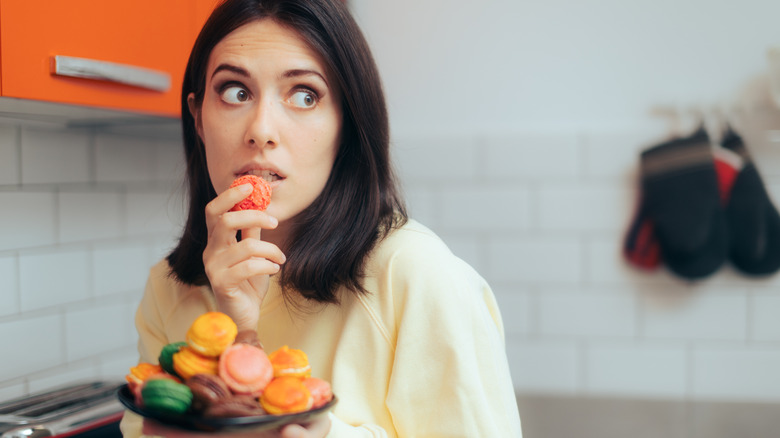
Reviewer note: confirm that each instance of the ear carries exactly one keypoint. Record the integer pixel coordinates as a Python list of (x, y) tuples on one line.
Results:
[(195, 112)]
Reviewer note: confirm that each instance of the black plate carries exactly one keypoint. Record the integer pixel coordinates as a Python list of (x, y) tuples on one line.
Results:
[(199, 423)]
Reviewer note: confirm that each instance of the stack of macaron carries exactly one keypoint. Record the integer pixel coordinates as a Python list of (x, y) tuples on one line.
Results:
[(220, 372)]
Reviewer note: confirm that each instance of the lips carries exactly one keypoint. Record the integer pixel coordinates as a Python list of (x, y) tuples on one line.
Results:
[(268, 174)]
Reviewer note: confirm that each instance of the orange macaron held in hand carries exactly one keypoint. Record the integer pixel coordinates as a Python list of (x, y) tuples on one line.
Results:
[(260, 196)]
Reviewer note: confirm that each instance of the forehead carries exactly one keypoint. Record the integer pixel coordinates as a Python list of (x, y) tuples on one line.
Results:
[(264, 40)]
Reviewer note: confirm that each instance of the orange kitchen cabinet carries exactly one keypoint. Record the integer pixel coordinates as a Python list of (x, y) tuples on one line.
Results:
[(98, 53)]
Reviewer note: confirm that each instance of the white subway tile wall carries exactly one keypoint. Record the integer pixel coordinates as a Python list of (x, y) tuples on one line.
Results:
[(85, 214), (9, 155), (621, 368), (541, 214), (9, 298), (55, 157)]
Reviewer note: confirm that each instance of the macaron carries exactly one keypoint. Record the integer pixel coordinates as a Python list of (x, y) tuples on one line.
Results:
[(290, 362), (165, 395), (139, 373), (187, 362), (211, 333), (235, 406), (245, 369), (320, 390), (207, 389), (166, 356), (286, 395), (260, 196)]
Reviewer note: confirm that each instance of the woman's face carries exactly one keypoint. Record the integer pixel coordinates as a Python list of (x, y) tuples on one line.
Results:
[(270, 109)]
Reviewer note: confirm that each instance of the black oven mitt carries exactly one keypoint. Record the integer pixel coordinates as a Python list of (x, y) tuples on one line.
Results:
[(754, 224), (681, 198)]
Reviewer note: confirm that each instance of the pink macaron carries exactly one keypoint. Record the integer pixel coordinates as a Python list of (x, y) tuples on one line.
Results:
[(245, 369), (320, 391)]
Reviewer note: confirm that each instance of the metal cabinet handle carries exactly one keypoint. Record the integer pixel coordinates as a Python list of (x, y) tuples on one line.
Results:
[(110, 71)]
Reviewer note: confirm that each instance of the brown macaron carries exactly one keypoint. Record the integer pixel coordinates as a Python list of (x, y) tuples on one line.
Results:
[(235, 406), (207, 389)]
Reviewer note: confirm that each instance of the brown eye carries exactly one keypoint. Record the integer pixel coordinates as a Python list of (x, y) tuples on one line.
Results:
[(303, 99), (234, 94)]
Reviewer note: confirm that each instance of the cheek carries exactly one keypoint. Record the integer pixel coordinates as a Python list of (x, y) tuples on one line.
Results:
[(216, 159)]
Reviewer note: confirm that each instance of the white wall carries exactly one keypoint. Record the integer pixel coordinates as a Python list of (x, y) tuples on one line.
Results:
[(517, 128), (84, 215), (459, 66)]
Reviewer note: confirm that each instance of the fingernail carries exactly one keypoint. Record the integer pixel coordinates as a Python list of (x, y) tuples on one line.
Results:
[(245, 188)]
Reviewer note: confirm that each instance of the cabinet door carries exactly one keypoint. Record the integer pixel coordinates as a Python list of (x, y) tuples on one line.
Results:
[(153, 35)]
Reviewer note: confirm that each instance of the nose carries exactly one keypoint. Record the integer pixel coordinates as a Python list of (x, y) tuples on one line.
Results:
[(263, 127)]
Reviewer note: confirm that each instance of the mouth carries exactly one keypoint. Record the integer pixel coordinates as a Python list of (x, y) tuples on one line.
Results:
[(268, 175)]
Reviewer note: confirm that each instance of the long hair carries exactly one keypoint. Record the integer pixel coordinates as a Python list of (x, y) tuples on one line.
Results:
[(360, 202)]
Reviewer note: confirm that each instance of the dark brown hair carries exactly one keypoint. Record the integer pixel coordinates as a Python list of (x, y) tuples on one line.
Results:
[(360, 202)]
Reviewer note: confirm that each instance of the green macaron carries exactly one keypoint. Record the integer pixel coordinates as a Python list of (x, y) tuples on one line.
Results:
[(166, 356), (165, 395)]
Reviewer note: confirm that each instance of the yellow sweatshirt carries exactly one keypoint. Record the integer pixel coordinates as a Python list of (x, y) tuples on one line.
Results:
[(422, 355)]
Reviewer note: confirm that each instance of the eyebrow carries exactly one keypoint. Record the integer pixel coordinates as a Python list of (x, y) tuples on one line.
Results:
[(294, 73), (230, 68), (303, 72)]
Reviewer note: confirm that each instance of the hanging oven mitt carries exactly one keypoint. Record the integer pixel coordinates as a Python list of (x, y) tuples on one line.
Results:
[(754, 224), (641, 247), (680, 196)]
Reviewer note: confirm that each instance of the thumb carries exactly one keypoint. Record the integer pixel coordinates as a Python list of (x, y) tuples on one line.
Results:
[(293, 431)]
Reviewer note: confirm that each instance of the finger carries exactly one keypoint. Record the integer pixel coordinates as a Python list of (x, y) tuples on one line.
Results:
[(293, 431), (231, 278), (316, 428), (228, 224), (248, 249), (225, 201), (250, 233), (247, 269)]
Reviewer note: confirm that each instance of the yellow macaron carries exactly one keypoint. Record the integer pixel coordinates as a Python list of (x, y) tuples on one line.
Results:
[(211, 333), (187, 362)]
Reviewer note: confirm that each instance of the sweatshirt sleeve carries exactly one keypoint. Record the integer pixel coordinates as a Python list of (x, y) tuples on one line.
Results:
[(450, 374)]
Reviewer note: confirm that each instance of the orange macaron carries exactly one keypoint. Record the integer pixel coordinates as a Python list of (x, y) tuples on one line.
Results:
[(290, 362), (286, 395), (139, 373), (211, 333)]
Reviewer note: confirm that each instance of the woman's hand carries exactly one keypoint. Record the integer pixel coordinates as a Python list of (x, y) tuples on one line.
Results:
[(239, 271), (317, 428)]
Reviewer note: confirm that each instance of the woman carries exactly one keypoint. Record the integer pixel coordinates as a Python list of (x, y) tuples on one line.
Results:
[(408, 335)]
